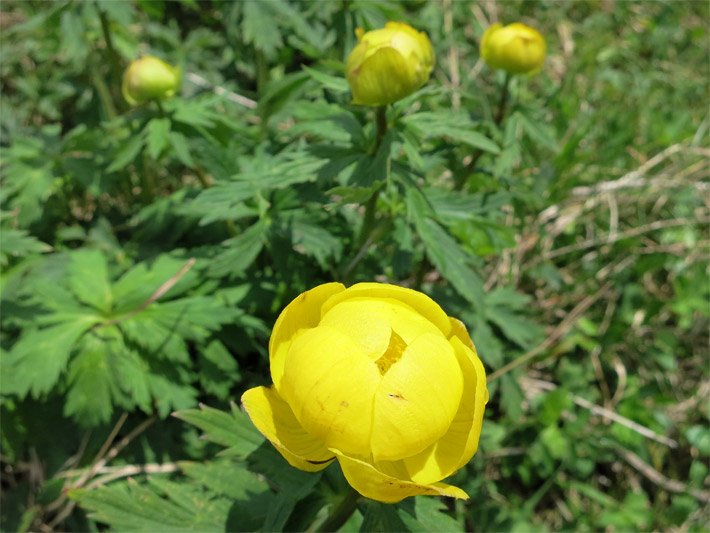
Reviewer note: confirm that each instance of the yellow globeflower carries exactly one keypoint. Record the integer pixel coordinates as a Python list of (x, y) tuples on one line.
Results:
[(516, 48), (379, 378), (388, 64), (149, 78)]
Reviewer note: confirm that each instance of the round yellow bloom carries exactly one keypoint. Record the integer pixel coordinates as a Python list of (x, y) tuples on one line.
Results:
[(516, 48), (379, 378), (149, 78), (388, 64)]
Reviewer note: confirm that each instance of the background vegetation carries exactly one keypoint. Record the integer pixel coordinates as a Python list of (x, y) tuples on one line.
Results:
[(146, 253)]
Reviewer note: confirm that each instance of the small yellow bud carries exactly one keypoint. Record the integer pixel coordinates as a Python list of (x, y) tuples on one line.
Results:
[(149, 78), (388, 64), (517, 48)]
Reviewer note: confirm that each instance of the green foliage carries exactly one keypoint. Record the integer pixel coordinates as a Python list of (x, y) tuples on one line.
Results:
[(146, 252)]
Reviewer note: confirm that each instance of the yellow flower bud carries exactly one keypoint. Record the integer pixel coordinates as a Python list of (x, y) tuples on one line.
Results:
[(517, 48), (377, 377), (388, 64), (149, 78)]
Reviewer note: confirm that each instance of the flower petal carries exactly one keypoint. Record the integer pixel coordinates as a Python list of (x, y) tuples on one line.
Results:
[(372, 483), (365, 320), (460, 442), (458, 329), (417, 399), (382, 78), (275, 420), (329, 382), (370, 321), (303, 312), (418, 301)]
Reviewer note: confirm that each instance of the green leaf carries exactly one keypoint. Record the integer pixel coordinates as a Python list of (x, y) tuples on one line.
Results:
[(241, 252), (88, 279), (337, 84), (511, 397), (90, 384), (168, 392), (251, 496), (553, 404), (36, 361), (381, 517), (427, 514), (126, 153), (448, 257), (155, 335), (450, 125), (257, 17), (157, 136), (161, 506), (219, 370), (179, 143), (19, 243), (226, 477), (198, 113), (143, 279), (233, 429), (515, 327), (537, 131), (313, 240)]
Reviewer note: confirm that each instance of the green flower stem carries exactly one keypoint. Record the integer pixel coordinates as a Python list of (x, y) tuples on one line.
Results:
[(362, 251), (342, 511), (381, 122), (503, 102), (369, 232), (104, 95), (497, 119), (371, 205), (114, 60)]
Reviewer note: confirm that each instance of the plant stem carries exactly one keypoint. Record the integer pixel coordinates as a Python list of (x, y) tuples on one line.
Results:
[(497, 119), (104, 95), (345, 508), (503, 102), (114, 59), (369, 231), (381, 122)]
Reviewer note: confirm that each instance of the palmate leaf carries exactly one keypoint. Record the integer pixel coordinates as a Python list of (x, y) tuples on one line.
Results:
[(161, 505), (19, 243), (257, 16), (292, 484), (445, 253), (315, 241), (35, 363), (141, 281), (89, 398), (226, 478), (126, 152), (263, 174), (157, 133), (240, 253), (451, 125), (233, 429), (218, 369), (88, 279), (424, 514), (28, 173), (215, 496), (504, 308)]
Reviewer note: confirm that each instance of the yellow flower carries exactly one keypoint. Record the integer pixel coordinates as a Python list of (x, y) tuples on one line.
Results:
[(379, 378), (516, 48), (388, 64), (149, 78)]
